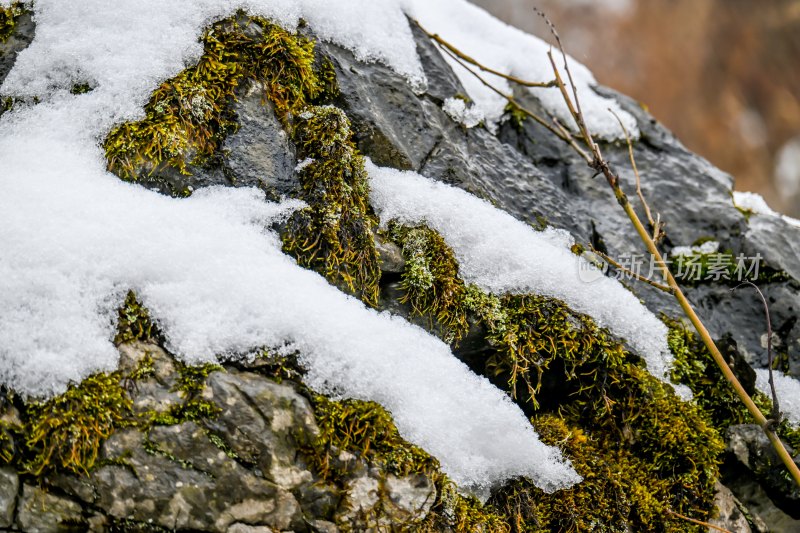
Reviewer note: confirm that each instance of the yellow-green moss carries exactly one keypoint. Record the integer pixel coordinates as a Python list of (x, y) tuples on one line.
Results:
[(455, 512), (367, 431), (620, 491), (334, 234), (189, 385), (8, 19), (189, 116), (65, 433), (666, 452), (695, 367), (133, 322), (430, 281)]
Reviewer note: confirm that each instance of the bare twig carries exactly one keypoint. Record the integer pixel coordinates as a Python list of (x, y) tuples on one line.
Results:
[(600, 165), (698, 522), (654, 225), (645, 279), (776, 411), (461, 55)]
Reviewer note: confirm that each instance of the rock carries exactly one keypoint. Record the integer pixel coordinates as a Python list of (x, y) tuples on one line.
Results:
[(751, 457), (411, 496), (9, 486), (390, 256), (264, 423), (19, 40), (260, 154), (43, 512), (729, 509)]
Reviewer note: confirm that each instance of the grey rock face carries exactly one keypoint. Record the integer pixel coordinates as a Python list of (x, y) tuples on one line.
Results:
[(43, 512), (242, 470), (9, 485), (18, 41), (757, 477)]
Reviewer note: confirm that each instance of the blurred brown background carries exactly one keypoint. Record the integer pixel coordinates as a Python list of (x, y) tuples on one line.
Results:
[(724, 75)]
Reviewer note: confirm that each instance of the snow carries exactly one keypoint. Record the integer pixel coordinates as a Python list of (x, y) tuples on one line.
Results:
[(755, 203), (788, 390), (708, 247), (75, 239), (501, 254), (457, 109)]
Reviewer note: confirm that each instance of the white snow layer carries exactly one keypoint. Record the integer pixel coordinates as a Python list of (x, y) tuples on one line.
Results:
[(501, 254), (754, 202), (788, 390), (75, 238), (457, 109)]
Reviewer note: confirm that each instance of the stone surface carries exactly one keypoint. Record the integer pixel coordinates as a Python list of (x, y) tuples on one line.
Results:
[(730, 515), (18, 41), (9, 486), (43, 512)]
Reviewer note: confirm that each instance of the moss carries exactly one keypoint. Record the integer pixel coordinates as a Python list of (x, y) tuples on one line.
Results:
[(430, 281), (620, 491), (334, 234), (455, 512), (666, 452), (65, 433), (189, 384), (366, 430), (695, 367), (189, 116), (8, 19), (133, 322)]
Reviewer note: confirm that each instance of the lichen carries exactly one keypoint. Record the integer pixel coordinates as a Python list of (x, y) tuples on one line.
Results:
[(8, 19)]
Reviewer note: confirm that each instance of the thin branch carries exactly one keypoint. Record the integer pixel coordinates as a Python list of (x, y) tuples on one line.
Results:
[(645, 279), (600, 165), (776, 411), (441, 42), (655, 226), (562, 134), (698, 522)]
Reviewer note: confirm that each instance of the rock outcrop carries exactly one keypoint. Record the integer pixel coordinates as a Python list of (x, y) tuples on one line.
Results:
[(247, 447)]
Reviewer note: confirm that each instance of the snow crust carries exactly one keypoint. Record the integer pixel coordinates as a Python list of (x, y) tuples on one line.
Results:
[(708, 247), (502, 254), (788, 390), (75, 238), (754, 202), (511, 51), (457, 109)]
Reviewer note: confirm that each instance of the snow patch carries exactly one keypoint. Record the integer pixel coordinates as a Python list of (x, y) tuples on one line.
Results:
[(501, 254), (708, 247), (788, 390), (754, 202), (457, 109)]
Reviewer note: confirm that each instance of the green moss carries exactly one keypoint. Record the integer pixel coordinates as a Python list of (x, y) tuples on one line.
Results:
[(367, 431), (334, 234), (8, 19), (430, 280), (695, 367), (189, 116), (665, 451), (189, 384), (620, 491), (65, 433), (455, 512), (133, 322)]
